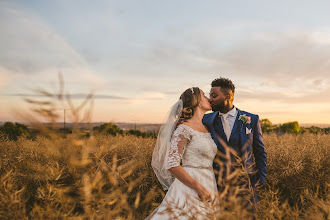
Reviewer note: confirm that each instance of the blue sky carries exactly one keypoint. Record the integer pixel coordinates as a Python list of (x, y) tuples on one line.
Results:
[(139, 56)]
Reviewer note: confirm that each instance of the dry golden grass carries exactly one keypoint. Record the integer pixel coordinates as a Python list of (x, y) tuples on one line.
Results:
[(105, 177)]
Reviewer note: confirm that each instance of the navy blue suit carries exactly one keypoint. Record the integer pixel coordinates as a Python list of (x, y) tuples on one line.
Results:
[(245, 139)]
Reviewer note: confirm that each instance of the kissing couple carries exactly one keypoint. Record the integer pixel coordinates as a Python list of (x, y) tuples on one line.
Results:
[(190, 158)]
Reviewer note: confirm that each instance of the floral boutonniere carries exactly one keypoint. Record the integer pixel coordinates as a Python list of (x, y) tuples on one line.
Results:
[(245, 119)]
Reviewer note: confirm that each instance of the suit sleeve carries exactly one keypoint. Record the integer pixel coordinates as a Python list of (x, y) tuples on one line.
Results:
[(259, 153)]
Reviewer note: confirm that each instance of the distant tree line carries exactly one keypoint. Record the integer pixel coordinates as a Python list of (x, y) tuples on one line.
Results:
[(109, 128), (13, 131), (290, 127)]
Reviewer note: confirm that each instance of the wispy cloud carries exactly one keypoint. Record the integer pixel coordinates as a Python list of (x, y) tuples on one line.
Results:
[(319, 97), (31, 48), (280, 56), (5, 78), (72, 96)]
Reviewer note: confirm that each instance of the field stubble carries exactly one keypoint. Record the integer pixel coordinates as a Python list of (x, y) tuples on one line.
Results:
[(106, 177)]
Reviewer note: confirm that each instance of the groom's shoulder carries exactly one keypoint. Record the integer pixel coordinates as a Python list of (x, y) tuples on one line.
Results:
[(249, 114), (209, 115)]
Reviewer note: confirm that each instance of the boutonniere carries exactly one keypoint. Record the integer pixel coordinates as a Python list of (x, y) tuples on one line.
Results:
[(245, 119)]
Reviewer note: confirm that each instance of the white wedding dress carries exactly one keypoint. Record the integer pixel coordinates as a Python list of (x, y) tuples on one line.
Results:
[(196, 151)]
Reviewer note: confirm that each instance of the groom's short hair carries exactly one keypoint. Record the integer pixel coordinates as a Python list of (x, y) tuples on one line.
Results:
[(224, 83)]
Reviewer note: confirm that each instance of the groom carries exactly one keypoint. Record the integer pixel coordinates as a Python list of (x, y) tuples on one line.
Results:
[(239, 132)]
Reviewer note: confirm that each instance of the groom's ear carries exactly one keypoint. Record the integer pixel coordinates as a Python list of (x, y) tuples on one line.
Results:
[(228, 94), (231, 96)]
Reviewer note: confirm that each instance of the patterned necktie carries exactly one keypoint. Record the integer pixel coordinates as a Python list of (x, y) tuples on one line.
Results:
[(225, 125)]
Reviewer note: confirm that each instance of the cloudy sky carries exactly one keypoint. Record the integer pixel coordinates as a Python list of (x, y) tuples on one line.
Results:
[(139, 56)]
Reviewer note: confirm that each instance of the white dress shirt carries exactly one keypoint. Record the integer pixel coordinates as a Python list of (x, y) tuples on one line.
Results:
[(231, 117)]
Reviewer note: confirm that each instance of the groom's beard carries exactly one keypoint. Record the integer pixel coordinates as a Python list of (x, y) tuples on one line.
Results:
[(218, 107)]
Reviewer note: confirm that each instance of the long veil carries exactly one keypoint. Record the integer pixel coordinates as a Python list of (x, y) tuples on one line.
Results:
[(161, 150)]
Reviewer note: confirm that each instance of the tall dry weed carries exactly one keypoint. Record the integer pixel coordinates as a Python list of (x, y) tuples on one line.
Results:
[(111, 177)]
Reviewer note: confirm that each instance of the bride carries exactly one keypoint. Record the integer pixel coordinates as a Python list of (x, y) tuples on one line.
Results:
[(182, 161)]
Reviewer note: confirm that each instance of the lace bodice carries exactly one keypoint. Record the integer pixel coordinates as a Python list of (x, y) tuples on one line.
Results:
[(194, 148)]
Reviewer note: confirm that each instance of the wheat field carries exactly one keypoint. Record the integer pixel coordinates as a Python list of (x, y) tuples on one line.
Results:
[(106, 177)]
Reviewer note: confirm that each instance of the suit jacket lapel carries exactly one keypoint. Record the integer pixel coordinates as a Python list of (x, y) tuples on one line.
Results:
[(241, 129), (217, 130), (210, 125)]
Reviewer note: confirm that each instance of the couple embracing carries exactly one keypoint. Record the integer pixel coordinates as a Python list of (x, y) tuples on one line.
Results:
[(196, 154)]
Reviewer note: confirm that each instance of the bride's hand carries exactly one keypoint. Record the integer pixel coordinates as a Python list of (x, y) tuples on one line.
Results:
[(203, 193)]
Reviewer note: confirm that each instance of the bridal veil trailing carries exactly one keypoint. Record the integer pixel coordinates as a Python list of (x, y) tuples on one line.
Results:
[(162, 147)]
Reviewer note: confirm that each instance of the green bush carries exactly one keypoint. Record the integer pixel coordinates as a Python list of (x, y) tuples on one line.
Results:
[(13, 131), (114, 130), (290, 127), (109, 128)]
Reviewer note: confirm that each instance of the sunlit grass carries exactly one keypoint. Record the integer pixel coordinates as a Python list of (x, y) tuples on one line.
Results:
[(110, 177)]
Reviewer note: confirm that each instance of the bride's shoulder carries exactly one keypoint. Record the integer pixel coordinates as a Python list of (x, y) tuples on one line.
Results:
[(183, 130), (182, 127)]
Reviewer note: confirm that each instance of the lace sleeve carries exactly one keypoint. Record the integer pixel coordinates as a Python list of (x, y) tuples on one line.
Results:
[(180, 139)]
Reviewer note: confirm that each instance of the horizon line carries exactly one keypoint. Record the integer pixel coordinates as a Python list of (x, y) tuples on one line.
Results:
[(122, 122)]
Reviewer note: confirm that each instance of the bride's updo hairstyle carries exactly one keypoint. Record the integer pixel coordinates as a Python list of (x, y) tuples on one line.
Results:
[(191, 99)]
